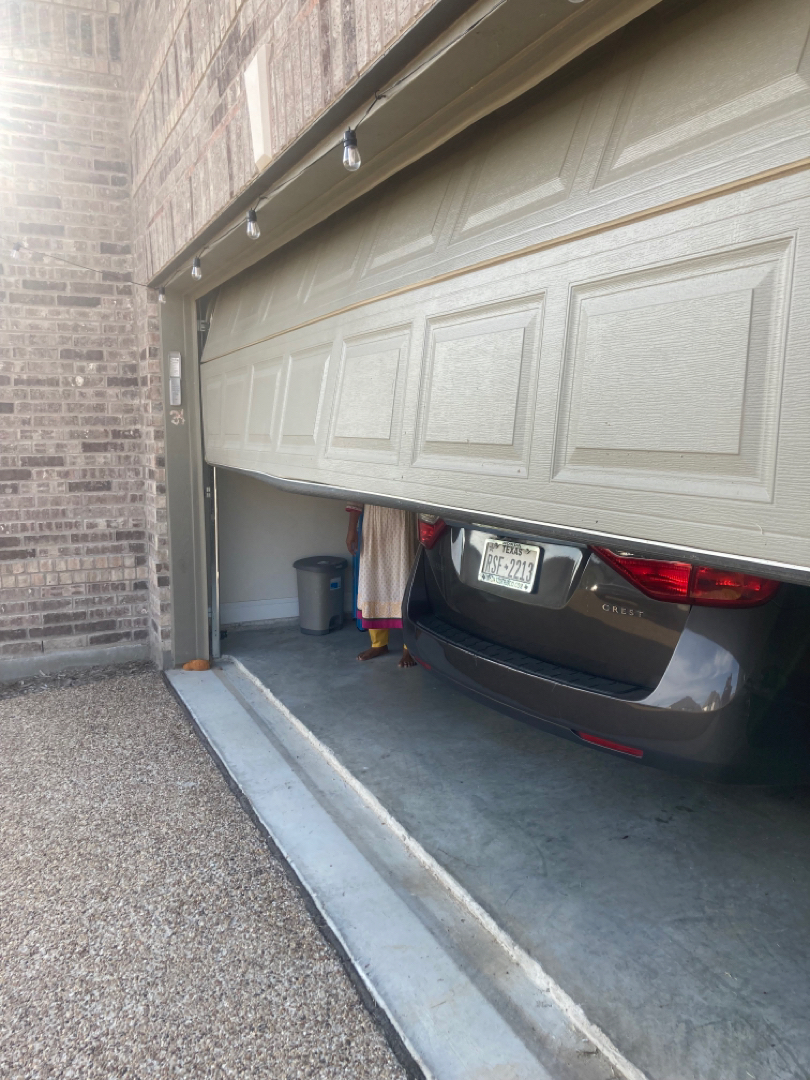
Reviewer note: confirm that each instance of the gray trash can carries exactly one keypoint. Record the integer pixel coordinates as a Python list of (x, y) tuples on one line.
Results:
[(320, 593)]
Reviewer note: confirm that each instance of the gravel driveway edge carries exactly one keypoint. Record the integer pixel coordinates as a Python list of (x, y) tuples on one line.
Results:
[(378, 1014)]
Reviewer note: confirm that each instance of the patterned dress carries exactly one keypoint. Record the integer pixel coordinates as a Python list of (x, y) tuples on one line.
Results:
[(388, 549)]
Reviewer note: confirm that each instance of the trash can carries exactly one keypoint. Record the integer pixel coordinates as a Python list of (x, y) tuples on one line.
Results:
[(320, 593)]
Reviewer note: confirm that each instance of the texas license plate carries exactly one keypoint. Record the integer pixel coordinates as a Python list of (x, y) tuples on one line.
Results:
[(512, 565)]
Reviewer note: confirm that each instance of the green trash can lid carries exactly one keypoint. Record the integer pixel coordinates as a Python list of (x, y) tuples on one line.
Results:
[(321, 564)]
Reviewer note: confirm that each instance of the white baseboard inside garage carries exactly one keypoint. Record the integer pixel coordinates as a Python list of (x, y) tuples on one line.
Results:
[(261, 611), (245, 611)]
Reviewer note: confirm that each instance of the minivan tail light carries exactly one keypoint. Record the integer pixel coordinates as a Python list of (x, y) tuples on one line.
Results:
[(683, 583), (730, 588), (430, 529), (656, 578)]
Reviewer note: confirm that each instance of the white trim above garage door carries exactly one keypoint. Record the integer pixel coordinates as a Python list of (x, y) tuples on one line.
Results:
[(592, 311)]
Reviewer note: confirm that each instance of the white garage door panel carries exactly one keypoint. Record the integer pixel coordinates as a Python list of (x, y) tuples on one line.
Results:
[(647, 380), (672, 377), (369, 397), (732, 70), (640, 392), (303, 396), (264, 397), (479, 368)]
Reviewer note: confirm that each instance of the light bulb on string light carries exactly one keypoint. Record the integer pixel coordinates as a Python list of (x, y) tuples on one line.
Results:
[(351, 155), (196, 269), (161, 295), (253, 230), (15, 251)]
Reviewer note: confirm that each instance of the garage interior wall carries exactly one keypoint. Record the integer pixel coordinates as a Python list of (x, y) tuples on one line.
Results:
[(262, 531)]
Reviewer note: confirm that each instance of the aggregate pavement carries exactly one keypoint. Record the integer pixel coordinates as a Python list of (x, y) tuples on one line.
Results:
[(146, 928)]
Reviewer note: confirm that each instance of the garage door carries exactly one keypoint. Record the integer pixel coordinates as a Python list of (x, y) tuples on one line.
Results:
[(591, 312)]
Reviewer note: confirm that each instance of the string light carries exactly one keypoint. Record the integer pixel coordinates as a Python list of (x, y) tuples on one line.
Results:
[(378, 97), (18, 248), (351, 155), (253, 230), (351, 160)]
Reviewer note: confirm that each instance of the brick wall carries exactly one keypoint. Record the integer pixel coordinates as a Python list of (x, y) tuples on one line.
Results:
[(74, 543), (190, 133), (154, 465), (122, 135)]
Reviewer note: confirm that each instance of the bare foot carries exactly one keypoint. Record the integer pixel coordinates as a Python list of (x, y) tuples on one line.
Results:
[(371, 654), (406, 660)]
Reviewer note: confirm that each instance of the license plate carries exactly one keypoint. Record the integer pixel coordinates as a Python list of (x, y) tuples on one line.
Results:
[(512, 565)]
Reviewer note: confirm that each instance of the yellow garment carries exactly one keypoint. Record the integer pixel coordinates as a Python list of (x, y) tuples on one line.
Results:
[(379, 639)]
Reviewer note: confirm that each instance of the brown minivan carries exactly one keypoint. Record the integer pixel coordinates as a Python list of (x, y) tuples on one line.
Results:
[(684, 667)]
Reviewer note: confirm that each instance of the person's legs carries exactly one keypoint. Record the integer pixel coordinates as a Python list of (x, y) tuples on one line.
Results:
[(379, 645), (406, 660)]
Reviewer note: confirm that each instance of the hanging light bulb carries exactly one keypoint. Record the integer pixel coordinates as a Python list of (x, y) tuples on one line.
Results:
[(15, 251), (196, 269), (161, 295), (253, 230), (351, 155)]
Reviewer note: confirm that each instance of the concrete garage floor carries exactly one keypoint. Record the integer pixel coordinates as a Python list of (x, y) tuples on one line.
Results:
[(677, 914)]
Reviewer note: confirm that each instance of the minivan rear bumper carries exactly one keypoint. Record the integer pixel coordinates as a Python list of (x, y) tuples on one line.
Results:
[(723, 740)]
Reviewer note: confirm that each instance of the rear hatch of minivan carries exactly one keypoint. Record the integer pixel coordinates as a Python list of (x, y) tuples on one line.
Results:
[(556, 602)]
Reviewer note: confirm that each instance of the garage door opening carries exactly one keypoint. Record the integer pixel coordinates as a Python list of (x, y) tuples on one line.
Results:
[(673, 911), (263, 531)]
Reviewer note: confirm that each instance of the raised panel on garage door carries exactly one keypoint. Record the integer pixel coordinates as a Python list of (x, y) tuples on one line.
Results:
[(264, 402), (367, 411), (528, 164), (235, 391), (212, 408), (671, 376), (707, 82), (303, 398), (477, 392)]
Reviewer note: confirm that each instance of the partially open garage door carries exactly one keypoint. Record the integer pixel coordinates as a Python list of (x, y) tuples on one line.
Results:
[(591, 312)]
